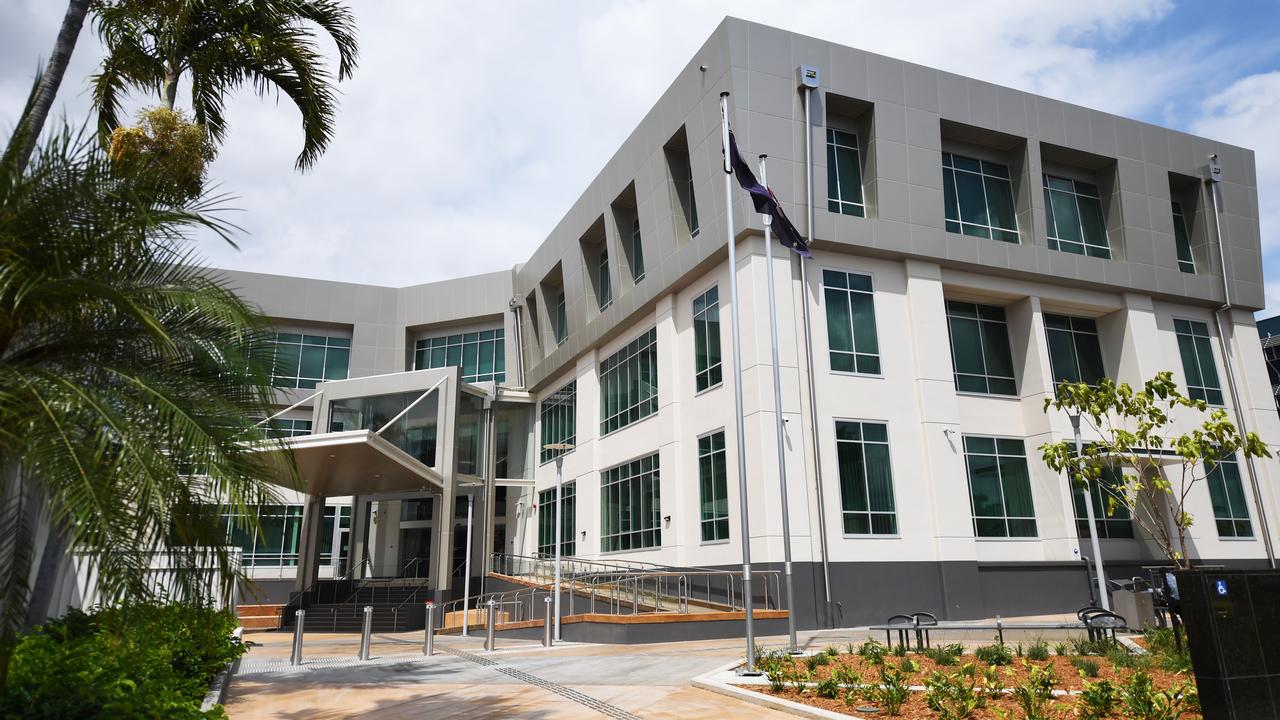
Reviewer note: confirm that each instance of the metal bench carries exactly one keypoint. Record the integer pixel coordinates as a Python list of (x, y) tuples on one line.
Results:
[(1095, 622)]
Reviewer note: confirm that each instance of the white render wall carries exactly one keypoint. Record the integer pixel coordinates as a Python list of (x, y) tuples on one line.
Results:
[(914, 396)]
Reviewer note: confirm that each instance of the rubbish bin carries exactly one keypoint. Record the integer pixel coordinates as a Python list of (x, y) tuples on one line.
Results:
[(1137, 607)]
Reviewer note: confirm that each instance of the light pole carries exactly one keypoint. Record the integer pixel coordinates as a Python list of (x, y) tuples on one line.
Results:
[(558, 531), (1088, 509)]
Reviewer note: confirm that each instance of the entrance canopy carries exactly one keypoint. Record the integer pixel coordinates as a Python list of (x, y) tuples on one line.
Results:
[(358, 462)]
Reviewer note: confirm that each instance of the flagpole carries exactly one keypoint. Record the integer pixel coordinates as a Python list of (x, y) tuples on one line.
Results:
[(750, 668), (777, 408)]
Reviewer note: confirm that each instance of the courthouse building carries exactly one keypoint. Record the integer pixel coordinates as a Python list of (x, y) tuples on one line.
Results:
[(972, 244)]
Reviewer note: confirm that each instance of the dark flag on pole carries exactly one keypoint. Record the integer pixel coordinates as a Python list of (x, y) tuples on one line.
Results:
[(766, 202)]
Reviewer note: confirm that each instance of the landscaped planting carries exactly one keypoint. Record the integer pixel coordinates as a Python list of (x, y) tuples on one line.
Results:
[(140, 661), (1036, 681)]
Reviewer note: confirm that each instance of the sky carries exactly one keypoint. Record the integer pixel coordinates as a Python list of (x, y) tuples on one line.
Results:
[(469, 129)]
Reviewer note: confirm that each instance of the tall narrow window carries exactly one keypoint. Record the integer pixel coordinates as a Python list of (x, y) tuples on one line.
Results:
[(1226, 492), (481, 355), (999, 487), (637, 253), (606, 288), (562, 320), (844, 174), (1197, 361), (713, 487), (303, 361), (1111, 517), (630, 506), (979, 198), (558, 416), (851, 322), (693, 205), (980, 354), (866, 481), (706, 339), (1182, 238), (629, 383), (1073, 217), (1074, 351), (568, 520)]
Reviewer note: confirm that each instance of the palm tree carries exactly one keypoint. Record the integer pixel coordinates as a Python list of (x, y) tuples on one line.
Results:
[(47, 87), (223, 45), (128, 375)]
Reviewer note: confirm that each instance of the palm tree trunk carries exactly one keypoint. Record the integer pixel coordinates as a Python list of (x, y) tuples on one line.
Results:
[(170, 87), (29, 128)]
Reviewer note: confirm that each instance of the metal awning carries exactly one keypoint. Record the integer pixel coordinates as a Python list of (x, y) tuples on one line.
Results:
[(356, 462)]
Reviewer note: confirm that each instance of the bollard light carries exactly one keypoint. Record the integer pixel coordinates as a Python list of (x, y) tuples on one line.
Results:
[(546, 624), (488, 631), (299, 618), (365, 632), (429, 642)]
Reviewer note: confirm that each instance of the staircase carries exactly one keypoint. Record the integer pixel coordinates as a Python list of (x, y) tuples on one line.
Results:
[(338, 605)]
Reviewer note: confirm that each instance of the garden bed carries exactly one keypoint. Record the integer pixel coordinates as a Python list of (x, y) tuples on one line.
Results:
[(1066, 680)]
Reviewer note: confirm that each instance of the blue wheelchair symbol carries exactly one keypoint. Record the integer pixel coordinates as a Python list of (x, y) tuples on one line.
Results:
[(1221, 587)]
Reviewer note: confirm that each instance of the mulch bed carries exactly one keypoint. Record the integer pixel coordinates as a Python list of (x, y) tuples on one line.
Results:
[(1012, 675)]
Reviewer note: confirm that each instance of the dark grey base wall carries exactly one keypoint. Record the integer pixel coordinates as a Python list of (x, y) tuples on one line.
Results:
[(866, 593), (265, 592)]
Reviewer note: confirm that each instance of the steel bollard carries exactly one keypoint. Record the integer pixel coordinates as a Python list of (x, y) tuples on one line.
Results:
[(488, 629), (546, 625), (299, 618), (365, 632), (429, 642)]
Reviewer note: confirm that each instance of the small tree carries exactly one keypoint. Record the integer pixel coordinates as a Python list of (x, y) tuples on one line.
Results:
[(1133, 429)]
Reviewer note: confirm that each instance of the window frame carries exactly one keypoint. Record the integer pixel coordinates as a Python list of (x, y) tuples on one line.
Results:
[(714, 371), (424, 353), (859, 208), (1096, 491), (893, 496), (637, 253), (295, 379), (568, 519), (604, 284), (644, 407), (714, 520), (949, 181), (1187, 265), (1207, 337), (548, 406), (982, 324), (655, 504), (561, 318), (1075, 348), (1006, 517), (1051, 219), (822, 286), (1233, 518)]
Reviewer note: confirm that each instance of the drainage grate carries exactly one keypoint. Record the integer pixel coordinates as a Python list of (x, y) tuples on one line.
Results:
[(599, 706)]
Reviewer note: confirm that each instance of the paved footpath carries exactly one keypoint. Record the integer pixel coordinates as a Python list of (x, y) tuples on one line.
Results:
[(519, 680)]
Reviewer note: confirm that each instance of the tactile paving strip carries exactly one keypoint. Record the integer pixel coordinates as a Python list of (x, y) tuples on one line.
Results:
[(599, 706)]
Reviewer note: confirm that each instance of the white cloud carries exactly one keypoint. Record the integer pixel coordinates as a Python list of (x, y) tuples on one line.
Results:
[(470, 128)]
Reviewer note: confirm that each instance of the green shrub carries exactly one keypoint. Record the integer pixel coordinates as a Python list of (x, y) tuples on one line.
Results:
[(1097, 700), (832, 650), (1086, 666), (873, 652), (1164, 651), (1035, 695), (909, 666), (778, 679), (141, 660), (892, 692), (992, 684), (828, 688), (1061, 649), (1038, 651), (1122, 657), (1085, 646), (900, 650), (1143, 702), (998, 654), (952, 695), (940, 656)]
